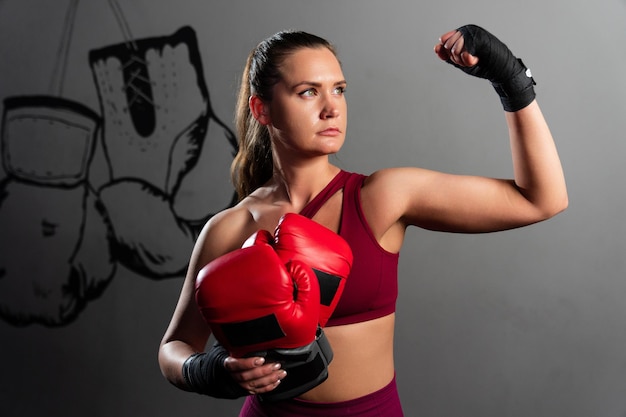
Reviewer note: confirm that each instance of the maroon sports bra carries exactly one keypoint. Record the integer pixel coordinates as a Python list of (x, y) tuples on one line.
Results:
[(371, 290)]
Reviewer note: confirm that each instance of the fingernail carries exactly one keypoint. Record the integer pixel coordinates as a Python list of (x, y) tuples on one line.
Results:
[(259, 361), (277, 366)]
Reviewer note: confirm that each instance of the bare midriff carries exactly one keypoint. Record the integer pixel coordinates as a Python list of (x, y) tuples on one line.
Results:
[(362, 362)]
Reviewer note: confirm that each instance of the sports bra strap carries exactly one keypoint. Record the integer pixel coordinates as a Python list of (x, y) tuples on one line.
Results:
[(336, 184)]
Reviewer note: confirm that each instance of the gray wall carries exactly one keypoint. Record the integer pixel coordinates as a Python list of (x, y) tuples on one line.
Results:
[(96, 221)]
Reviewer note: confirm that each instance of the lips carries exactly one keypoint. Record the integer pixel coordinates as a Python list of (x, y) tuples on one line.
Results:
[(331, 131)]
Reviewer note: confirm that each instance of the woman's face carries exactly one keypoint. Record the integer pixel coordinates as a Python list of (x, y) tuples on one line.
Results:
[(308, 109)]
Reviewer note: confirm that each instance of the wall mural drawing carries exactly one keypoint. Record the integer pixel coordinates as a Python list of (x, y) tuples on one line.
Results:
[(154, 119)]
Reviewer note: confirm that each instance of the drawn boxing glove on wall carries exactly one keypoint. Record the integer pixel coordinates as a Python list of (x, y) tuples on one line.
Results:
[(156, 115), (55, 250)]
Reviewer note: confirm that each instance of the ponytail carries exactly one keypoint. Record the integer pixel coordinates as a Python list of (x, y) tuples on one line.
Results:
[(253, 164)]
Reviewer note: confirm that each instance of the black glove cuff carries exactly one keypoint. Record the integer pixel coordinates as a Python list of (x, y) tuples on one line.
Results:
[(205, 373), (306, 367), (516, 92)]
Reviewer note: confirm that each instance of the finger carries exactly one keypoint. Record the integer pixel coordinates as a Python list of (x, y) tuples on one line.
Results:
[(246, 373), (468, 59), (443, 38), (449, 43), (458, 47), (265, 384), (460, 54), (243, 364), (454, 47), (442, 52), (446, 42)]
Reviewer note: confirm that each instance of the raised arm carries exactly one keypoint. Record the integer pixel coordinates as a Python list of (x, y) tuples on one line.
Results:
[(456, 203)]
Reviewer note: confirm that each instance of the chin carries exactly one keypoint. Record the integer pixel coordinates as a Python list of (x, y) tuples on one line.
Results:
[(332, 147)]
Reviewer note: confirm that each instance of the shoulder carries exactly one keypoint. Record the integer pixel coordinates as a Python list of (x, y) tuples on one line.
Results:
[(396, 191), (393, 181), (230, 223), (223, 233)]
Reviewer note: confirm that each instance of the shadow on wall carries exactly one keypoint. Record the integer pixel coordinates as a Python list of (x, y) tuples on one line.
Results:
[(62, 236)]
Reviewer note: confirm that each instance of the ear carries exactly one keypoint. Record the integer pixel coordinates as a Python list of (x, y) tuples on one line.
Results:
[(259, 109)]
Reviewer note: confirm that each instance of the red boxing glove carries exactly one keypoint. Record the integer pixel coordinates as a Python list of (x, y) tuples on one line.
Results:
[(252, 300), (258, 238), (298, 238)]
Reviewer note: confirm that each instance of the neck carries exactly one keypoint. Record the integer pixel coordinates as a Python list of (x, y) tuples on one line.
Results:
[(298, 185)]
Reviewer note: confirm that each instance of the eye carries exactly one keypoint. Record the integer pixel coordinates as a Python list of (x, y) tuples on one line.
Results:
[(340, 90), (310, 92)]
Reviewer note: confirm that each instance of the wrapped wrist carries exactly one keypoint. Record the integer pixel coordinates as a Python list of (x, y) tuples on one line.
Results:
[(205, 373), (516, 92), (508, 75)]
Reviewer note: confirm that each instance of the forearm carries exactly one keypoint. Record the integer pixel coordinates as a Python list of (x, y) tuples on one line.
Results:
[(537, 167), (172, 355)]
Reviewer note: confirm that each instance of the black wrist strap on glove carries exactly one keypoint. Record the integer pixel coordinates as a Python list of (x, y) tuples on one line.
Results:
[(509, 76), (206, 374), (306, 367)]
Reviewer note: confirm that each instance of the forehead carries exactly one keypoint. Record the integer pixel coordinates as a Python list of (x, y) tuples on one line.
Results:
[(312, 64)]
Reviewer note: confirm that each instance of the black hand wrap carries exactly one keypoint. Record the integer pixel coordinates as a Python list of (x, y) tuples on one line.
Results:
[(509, 76), (205, 374), (306, 367)]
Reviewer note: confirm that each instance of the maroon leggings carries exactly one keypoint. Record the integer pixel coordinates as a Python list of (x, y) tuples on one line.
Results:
[(382, 403)]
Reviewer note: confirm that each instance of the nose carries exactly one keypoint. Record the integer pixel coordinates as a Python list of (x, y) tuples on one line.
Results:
[(330, 110)]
